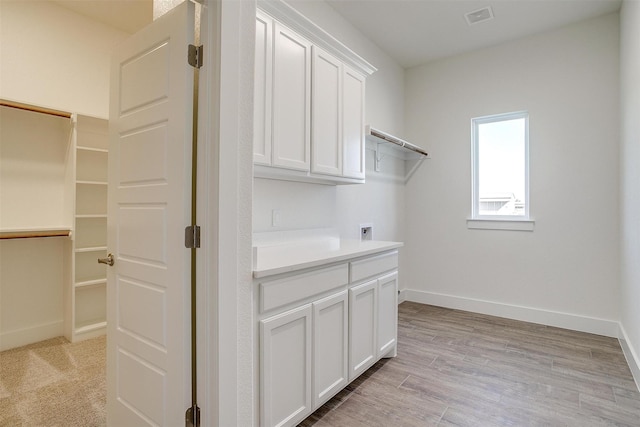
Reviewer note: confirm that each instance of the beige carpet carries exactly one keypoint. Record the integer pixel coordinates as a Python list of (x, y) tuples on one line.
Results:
[(54, 383)]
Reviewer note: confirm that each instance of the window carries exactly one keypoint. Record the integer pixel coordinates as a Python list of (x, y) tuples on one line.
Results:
[(500, 165)]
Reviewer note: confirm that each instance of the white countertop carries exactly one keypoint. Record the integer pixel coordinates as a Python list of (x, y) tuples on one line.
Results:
[(284, 257)]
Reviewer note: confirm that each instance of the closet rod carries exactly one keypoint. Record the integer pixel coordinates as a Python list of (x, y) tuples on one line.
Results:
[(27, 107)]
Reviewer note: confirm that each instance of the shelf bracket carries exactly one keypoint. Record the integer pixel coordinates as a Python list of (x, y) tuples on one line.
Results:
[(377, 158)]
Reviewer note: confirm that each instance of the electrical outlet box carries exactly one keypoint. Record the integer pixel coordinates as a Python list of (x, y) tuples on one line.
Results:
[(366, 231)]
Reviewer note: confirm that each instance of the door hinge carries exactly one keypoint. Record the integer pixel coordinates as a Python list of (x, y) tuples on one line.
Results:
[(192, 417), (195, 56), (192, 237)]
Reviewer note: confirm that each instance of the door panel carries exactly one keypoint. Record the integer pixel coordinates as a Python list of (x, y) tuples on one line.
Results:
[(285, 370), (291, 100), (353, 125), (151, 118), (326, 114), (262, 91), (387, 313), (363, 305), (330, 346)]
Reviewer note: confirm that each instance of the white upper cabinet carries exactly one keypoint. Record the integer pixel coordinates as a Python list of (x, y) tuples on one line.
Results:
[(308, 102), (291, 99), (326, 112), (263, 90), (353, 124)]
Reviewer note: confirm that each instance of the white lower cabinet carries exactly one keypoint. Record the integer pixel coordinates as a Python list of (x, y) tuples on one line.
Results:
[(387, 333), (336, 332), (330, 346), (285, 367), (363, 307)]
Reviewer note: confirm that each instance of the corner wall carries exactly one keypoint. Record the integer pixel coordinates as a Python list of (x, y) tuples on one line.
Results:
[(566, 272), (53, 57), (630, 182)]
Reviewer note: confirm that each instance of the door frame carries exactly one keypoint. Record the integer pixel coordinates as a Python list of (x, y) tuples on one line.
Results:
[(225, 182)]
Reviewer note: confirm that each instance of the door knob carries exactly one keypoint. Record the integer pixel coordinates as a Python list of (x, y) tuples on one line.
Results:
[(108, 260)]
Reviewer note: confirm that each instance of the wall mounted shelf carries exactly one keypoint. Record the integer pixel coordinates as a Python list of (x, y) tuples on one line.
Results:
[(384, 144)]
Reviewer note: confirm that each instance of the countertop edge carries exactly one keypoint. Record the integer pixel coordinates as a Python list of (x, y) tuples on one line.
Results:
[(272, 271)]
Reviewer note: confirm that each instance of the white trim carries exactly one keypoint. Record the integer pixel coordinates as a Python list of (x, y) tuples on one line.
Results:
[(501, 224), (402, 296), (574, 322), (30, 335), (630, 354)]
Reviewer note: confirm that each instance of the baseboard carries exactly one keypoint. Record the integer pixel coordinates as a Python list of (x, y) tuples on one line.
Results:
[(13, 339), (632, 357), (574, 322)]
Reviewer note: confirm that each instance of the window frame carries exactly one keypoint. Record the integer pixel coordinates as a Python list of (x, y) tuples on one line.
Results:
[(476, 220)]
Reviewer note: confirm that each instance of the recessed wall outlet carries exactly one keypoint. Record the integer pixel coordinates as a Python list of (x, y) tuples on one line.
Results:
[(366, 231)]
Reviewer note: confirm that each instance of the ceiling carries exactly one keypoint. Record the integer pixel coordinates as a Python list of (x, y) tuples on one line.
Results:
[(415, 32), (412, 32)]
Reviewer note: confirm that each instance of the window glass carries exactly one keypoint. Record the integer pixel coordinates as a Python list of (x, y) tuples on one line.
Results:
[(500, 149)]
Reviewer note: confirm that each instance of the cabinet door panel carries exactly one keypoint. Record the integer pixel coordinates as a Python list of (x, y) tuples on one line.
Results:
[(330, 342), (285, 370), (387, 313), (326, 114), (362, 327), (353, 124), (262, 90), (291, 100)]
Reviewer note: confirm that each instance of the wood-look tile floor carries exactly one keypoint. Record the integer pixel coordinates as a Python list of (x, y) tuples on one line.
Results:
[(456, 368)]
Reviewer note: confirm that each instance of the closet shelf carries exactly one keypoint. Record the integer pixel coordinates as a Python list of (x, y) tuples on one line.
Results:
[(92, 249), (97, 150), (80, 216), (93, 282), (92, 182), (28, 233)]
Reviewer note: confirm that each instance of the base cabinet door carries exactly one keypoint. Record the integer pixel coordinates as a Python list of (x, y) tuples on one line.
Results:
[(285, 368), (387, 314), (330, 346), (363, 307)]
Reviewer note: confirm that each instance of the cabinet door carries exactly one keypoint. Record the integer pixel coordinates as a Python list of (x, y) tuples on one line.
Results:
[(326, 114), (387, 314), (353, 124), (262, 90), (330, 346), (291, 100), (285, 367), (362, 327)]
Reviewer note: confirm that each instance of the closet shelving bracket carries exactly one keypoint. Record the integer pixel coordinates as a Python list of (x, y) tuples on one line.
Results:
[(387, 144)]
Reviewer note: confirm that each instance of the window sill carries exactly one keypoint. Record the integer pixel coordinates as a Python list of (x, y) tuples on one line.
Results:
[(501, 224)]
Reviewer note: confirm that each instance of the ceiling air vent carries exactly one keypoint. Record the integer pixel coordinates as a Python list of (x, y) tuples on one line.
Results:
[(479, 15)]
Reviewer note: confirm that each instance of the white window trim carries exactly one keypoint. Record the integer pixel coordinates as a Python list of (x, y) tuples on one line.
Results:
[(496, 222), (501, 224)]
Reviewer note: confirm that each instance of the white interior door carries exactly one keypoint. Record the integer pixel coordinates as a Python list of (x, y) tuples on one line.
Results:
[(148, 363)]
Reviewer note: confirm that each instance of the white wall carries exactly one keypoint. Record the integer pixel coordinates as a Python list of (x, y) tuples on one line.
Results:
[(566, 271), (630, 179), (31, 285), (381, 199), (56, 58)]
